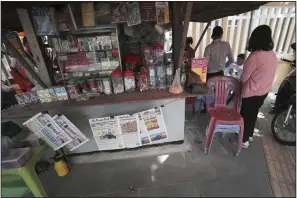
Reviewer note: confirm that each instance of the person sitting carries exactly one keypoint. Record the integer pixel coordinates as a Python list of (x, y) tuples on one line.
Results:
[(239, 67)]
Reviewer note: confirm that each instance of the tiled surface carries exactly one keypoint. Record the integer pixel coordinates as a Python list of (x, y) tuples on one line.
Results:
[(279, 159)]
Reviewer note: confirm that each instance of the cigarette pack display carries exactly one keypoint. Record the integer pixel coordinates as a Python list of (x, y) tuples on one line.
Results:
[(44, 95), (33, 96), (65, 46), (108, 53), (56, 44), (105, 62), (61, 93), (105, 42), (82, 44), (16, 158), (26, 98), (53, 94), (20, 99), (114, 62)]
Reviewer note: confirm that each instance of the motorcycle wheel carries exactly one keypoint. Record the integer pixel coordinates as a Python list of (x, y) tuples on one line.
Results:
[(278, 130)]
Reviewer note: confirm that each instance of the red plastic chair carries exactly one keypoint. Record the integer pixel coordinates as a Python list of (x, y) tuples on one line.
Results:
[(220, 113)]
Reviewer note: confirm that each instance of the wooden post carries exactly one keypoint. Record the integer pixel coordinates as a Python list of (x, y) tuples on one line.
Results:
[(176, 31), (18, 56), (34, 46), (187, 17), (5, 72)]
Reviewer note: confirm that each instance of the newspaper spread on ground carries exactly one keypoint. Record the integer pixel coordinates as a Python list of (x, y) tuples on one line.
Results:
[(78, 138), (107, 133), (130, 130), (144, 136), (154, 124), (43, 126)]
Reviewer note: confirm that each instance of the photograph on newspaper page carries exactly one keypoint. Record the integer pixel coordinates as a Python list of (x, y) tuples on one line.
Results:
[(154, 124), (43, 126), (130, 130), (107, 133), (78, 138), (144, 136)]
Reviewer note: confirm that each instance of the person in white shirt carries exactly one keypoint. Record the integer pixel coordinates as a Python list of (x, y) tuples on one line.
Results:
[(217, 52), (238, 68)]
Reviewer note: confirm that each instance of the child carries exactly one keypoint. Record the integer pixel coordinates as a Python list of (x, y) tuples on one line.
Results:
[(239, 67)]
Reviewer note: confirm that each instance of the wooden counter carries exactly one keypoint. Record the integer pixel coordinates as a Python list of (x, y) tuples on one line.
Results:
[(58, 106)]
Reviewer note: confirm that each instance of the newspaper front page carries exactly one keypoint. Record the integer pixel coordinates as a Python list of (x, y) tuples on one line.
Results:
[(43, 126), (107, 133), (154, 124), (130, 130), (78, 138)]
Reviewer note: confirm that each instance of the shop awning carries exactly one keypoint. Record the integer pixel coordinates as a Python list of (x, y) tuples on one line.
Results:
[(203, 11)]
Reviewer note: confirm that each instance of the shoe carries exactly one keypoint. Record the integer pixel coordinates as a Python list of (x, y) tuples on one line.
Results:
[(251, 139), (244, 144)]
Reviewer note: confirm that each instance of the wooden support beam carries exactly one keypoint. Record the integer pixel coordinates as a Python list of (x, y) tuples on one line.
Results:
[(187, 17), (201, 37), (34, 46), (176, 31), (5, 72), (18, 56)]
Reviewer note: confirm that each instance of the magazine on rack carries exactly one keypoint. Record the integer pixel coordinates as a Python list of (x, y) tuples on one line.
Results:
[(154, 125), (43, 126), (78, 138), (130, 130), (107, 133)]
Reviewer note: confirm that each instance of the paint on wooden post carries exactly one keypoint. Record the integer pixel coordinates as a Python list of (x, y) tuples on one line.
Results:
[(32, 40)]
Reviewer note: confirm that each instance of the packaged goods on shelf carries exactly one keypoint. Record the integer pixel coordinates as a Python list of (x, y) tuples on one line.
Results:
[(162, 12), (133, 14), (43, 19), (88, 14), (65, 19)]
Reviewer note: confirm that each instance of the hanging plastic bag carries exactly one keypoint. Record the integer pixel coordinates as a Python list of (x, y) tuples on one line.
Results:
[(176, 87)]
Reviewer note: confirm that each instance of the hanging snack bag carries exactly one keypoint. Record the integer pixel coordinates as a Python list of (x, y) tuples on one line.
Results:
[(176, 87), (162, 11), (133, 14)]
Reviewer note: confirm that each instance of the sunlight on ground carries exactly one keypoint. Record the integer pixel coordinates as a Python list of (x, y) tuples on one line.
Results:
[(261, 115), (161, 159)]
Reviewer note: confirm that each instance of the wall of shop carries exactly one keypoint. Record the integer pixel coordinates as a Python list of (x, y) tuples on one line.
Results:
[(173, 111)]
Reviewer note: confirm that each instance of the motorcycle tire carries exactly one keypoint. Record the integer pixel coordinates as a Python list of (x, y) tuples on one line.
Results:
[(284, 142)]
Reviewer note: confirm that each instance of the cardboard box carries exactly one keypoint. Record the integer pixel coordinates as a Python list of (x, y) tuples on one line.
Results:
[(199, 66)]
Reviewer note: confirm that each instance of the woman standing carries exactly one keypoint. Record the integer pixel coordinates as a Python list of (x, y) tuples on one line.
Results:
[(257, 78)]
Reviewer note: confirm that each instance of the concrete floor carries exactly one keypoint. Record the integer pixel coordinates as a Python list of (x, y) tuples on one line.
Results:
[(181, 174)]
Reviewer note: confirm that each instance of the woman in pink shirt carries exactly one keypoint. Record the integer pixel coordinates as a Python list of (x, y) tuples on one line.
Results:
[(257, 78)]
